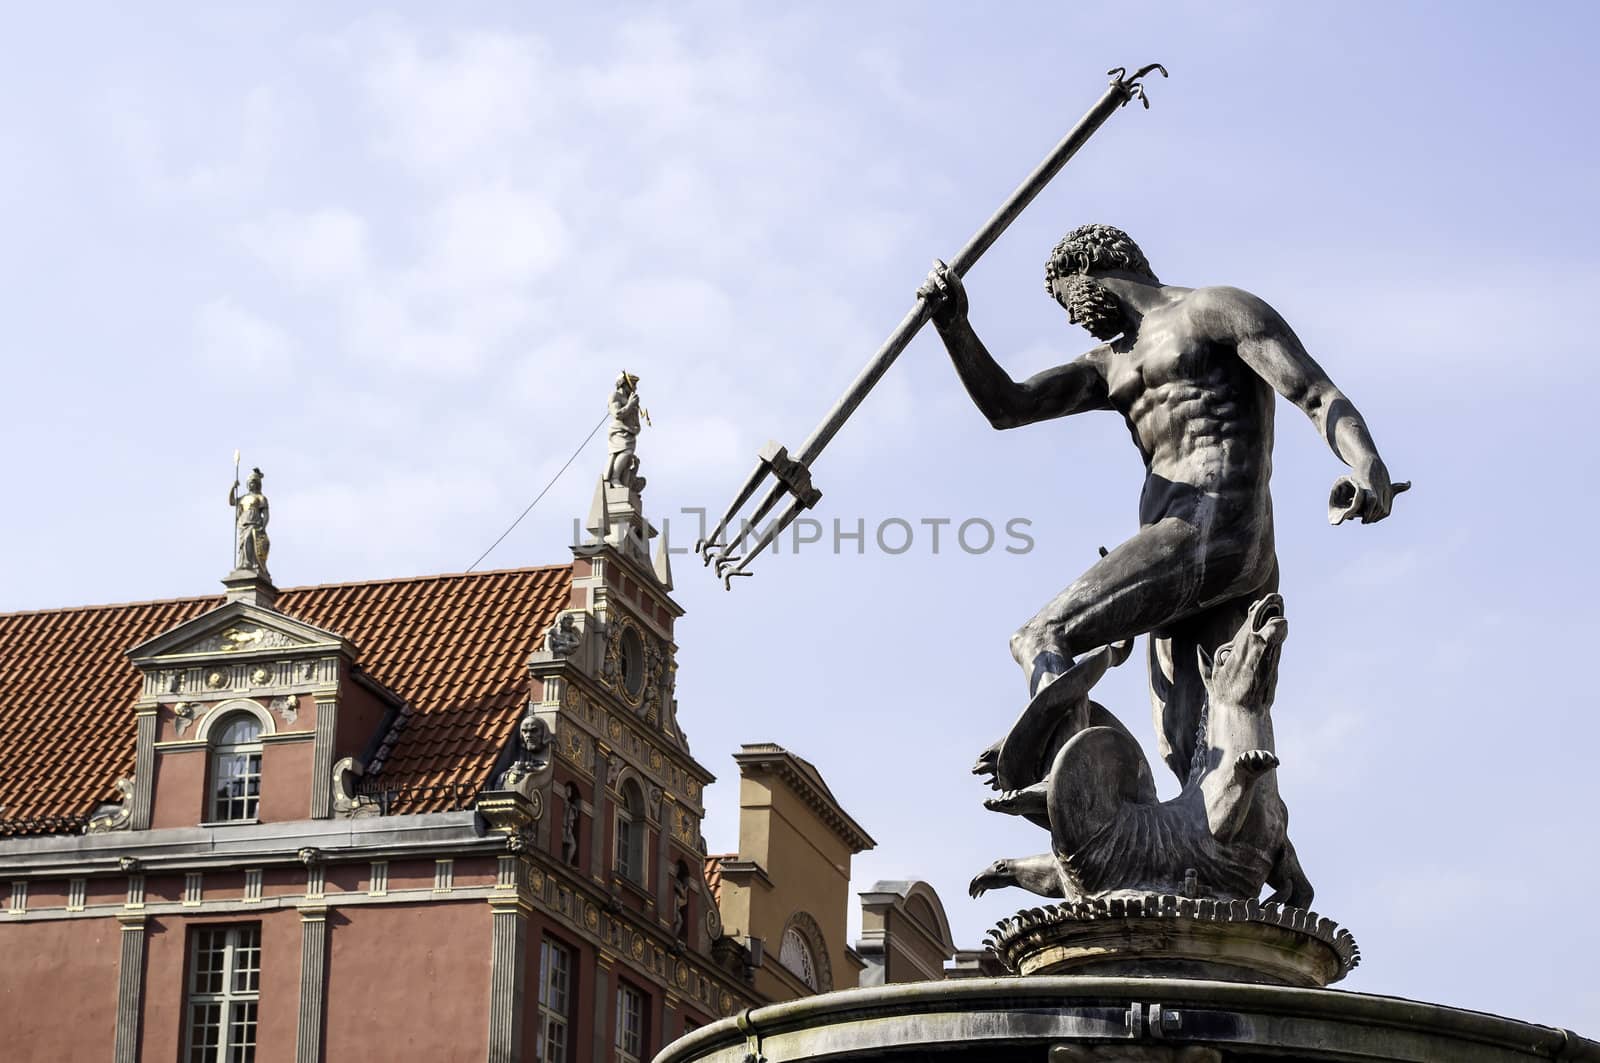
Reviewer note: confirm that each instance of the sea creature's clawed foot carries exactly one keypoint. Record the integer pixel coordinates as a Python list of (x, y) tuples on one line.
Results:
[(1020, 802), (987, 764), (1254, 762)]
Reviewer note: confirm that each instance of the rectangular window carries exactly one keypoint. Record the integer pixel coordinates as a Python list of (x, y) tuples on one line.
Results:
[(224, 989), (625, 829), (237, 785), (555, 1002), (630, 1024)]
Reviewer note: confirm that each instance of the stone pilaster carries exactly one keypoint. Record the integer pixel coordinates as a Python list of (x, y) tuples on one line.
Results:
[(313, 979), (130, 987), (144, 770), (602, 808), (669, 1014), (666, 911), (322, 758), (602, 1006), (508, 962)]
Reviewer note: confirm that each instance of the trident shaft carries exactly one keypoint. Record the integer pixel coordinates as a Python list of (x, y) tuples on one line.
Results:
[(792, 473)]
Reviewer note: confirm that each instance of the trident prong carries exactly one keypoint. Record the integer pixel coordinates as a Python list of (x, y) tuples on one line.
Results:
[(1133, 87), (793, 473)]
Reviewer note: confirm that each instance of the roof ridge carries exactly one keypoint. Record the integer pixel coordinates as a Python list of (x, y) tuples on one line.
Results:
[(433, 576), (185, 600), (194, 598)]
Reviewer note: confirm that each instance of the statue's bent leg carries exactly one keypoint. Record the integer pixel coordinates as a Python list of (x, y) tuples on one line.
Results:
[(1143, 584)]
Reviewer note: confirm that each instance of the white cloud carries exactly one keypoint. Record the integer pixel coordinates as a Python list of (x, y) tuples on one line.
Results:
[(231, 337), (491, 237), (317, 248), (237, 145), (479, 94)]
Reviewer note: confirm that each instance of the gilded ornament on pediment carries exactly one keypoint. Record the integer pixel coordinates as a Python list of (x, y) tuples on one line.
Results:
[(241, 638), (591, 918), (536, 880), (216, 679), (680, 974), (259, 675), (655, 759), (636, 947), (614, 729)]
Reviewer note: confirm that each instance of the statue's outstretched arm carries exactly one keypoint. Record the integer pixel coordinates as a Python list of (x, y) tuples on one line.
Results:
[(1269, 346), (1065, 389)]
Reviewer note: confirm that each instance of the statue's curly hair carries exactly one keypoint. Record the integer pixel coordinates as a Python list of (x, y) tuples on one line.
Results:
[(1096, 247)]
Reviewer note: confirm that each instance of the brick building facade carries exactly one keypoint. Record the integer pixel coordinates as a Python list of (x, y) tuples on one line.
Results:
[(440, 818)]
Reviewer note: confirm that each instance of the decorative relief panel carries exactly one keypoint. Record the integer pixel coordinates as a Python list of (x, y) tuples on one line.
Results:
[(238, 638), (224, 676)]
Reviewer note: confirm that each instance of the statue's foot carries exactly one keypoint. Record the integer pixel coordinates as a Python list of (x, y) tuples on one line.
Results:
[(1020, 802), (1253, 762)]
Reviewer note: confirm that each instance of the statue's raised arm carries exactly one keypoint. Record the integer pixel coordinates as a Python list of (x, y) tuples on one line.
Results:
[(1061, 391)]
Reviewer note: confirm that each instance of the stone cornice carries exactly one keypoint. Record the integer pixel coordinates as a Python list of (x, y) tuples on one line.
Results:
[(786, 766), (741, 872), (256, 845)]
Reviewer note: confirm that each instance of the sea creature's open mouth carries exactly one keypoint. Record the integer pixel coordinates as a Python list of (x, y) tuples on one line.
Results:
[(1267, 618)]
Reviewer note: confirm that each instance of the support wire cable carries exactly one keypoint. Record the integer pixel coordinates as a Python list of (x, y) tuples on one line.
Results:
[(604, 417)]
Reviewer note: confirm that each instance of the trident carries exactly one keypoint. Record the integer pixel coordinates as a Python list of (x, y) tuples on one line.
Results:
[(793, 472)]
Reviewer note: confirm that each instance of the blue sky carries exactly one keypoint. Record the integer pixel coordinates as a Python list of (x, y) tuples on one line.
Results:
[(397, 257)]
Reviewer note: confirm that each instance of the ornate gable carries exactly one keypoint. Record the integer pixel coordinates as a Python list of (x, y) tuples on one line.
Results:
[(238, 646)]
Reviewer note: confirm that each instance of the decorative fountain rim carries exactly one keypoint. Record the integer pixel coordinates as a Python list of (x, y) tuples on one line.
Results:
[(1033, 940)]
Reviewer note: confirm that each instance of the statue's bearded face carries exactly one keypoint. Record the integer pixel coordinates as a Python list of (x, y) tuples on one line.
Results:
[(1090, 304)]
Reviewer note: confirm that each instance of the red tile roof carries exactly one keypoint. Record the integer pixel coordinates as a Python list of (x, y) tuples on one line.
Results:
[(714, 873), (455, 647)]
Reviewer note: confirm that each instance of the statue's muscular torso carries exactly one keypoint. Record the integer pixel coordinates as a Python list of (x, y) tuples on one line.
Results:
[(1201, 418)]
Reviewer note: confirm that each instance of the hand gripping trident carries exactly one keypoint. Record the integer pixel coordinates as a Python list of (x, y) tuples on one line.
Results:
[(793, 472)]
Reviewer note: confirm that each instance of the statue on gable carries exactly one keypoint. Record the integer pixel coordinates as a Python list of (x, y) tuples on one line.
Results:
[(622, 469), (250, 513)]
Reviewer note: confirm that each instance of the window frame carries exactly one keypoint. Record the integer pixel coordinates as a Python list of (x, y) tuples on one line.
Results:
[(236, 1007), (630, 856), (805, 969), (640, 1032), (550, 1012), (218, 806)]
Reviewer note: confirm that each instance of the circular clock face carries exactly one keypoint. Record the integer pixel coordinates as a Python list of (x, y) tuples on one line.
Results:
[(632, 663)]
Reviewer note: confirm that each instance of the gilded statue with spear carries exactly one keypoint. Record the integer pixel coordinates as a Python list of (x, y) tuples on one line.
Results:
[(250, 514)]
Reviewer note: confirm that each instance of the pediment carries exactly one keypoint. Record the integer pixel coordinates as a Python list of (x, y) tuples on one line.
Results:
[(238, 629)]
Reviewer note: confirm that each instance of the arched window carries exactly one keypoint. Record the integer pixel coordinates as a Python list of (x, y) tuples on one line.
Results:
[(630, 833), (236, 768), (795, 954), (803, 952)]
